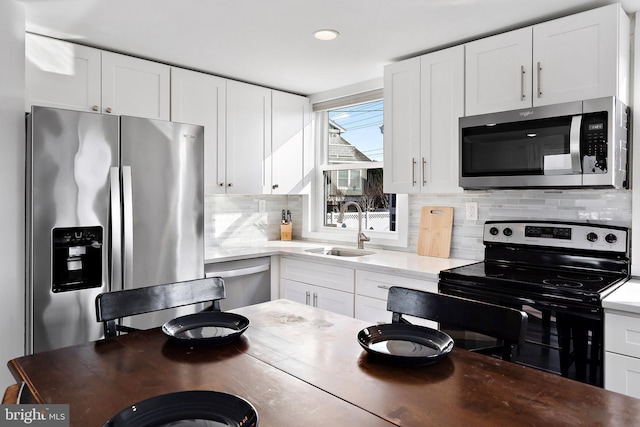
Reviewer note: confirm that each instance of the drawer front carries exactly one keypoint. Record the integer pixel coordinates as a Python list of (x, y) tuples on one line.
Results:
[(372, 310), (622, 374), (376, 285), (334, 301), (326, 275), (622, 334)]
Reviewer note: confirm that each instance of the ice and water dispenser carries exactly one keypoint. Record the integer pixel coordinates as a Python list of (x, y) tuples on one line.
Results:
[(77, 258)]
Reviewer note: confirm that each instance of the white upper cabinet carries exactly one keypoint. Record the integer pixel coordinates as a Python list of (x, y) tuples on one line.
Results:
[(423, 100), (401, 126), (442, 104), (61, 75), (248, 139), (200, 98), (582, 56), (498, 73), (577, 57), (66, 75), (240, 157), (291, 139), (135, 87)]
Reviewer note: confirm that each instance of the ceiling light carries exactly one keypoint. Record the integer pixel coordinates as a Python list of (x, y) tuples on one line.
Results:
[(326, 34)]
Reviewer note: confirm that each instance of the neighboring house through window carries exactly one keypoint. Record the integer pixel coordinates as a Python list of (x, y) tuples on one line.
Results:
[(351, 170)]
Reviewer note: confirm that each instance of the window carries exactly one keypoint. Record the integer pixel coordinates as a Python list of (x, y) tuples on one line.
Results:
[(352, 170)]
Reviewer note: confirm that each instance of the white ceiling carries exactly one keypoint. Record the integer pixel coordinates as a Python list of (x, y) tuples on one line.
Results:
[(270, 42)]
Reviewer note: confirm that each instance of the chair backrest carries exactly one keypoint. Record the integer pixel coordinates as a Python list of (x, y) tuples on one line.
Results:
[(506, 324), (18, 393), (112, 306)]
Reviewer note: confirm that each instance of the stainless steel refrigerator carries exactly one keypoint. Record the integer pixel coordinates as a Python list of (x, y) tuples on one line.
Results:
[(113, 202)]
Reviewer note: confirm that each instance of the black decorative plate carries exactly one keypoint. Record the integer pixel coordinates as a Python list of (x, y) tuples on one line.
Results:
[(403, 343), (188, 408), (206, 328)]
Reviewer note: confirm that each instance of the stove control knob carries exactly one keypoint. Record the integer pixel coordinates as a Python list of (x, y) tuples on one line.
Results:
[(592, 237), (507, 232), (493, 231), (610, 238)]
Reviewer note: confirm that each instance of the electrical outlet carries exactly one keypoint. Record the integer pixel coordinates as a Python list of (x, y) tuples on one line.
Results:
[(262, 205), (472, 211)]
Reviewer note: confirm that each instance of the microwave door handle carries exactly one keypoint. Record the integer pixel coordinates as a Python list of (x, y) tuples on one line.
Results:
[(574, 144)]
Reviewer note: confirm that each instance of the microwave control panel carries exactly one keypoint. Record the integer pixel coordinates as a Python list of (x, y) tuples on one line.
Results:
[(593, 144)]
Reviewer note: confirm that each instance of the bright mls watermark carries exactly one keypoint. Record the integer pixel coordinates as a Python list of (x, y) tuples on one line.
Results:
[(35, 415)]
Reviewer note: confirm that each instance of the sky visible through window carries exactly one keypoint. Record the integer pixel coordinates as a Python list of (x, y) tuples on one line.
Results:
[(363, 124)]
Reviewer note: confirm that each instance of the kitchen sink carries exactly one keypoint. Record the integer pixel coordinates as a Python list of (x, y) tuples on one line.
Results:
[(343, 252)]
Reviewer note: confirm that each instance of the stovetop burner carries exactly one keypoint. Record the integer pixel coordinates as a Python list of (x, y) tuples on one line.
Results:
[(580, 277), (560, 283)]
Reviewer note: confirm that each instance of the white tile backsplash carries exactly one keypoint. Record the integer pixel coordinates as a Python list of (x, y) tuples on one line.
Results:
[(231, 219)]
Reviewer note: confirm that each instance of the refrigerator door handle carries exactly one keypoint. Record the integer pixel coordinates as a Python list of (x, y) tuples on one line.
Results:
[(116, 230), (127, 202)]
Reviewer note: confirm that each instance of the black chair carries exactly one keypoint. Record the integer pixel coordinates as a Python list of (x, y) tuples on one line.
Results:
[(505, 324), (113, 306)]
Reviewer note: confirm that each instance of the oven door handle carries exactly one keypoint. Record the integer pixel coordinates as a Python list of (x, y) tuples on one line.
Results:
[(574, 144)]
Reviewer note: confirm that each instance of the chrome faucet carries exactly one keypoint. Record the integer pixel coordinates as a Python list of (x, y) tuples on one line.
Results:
[(361, 236)]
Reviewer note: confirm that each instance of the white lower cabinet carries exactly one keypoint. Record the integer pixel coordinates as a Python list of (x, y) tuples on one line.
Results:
[(622, 374), (317, 284), (622, 353), (317, 296), (356, 293), (373, 310), (371, 295)]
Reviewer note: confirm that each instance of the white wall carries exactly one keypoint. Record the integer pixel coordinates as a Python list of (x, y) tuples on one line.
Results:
[(12, 21)]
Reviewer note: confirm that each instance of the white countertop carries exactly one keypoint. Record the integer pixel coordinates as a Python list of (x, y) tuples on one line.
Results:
[(384, 261), (625, 298)]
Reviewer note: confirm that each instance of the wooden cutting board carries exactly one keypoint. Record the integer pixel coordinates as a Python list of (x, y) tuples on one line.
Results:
[(434, 235)]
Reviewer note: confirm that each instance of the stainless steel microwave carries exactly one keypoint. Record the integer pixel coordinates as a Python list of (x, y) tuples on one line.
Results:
[(576, 144)]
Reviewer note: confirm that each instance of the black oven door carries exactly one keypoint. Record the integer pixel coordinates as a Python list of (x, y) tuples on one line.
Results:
[(560, 339)]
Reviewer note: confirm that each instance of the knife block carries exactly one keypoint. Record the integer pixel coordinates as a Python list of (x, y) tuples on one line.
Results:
[(286, 231)]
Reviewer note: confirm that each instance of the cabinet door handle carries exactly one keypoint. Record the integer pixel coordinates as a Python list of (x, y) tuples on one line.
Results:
[(221, 184), (307, 300), (383, 287), (94, 107), (229, 185), (413, 171), (424, 174), (108, 110), (539, 85), (315, 299), (522, 82), (274, 186)]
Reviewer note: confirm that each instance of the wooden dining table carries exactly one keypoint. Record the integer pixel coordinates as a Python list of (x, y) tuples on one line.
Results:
[(303, 366)]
